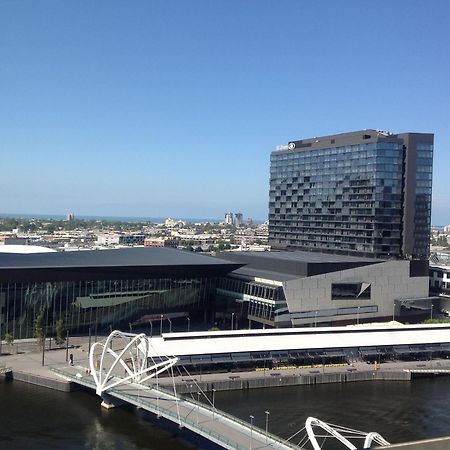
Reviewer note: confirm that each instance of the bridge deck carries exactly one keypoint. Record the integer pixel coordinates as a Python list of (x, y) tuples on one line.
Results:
[(217, 426)]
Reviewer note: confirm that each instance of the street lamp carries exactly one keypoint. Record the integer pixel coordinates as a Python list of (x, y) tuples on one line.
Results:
[(131, 327), (198, 404), (315, 319), (251, 431), (170, 325), (67, 346), (151, 328), (431, 311), (213, 398), (160, 328), (232, 320), (357, 316), (189, 324), (90, 333), (393, 312), (267, 423), (43, 350)]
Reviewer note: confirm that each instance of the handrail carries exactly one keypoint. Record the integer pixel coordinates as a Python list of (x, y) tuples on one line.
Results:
[(160, 410), (230, 417)]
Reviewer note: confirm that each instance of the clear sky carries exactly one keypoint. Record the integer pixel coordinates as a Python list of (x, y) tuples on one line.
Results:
[(171, 108)]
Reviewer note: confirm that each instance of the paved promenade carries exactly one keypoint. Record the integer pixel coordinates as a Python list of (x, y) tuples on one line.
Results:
[(31, 363)]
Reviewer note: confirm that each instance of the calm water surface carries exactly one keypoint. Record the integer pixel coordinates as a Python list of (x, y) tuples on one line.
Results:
[(38, 418)]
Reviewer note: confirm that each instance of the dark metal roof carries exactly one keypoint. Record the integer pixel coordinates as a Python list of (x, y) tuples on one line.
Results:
[(300, 256), (111, 264), (286, 265), (159, 256)]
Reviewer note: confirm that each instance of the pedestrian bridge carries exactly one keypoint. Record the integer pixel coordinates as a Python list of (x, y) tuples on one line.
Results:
[(120, 371), (223, 429)]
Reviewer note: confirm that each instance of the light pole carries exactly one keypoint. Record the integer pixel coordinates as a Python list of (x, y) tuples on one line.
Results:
[(198, 404), (43, 350), (189, 324), (431, 311), (251, 431), (357, 316), (170, 325), (315, 319), (213, 398), (393, 311), (90, 333), (131, 327), (151, 328), (67, 346), (160, 327), (232, 320), (267, 423)]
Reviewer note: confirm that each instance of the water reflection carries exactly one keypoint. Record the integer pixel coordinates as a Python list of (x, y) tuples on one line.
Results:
[(37, 418), (397, 410)]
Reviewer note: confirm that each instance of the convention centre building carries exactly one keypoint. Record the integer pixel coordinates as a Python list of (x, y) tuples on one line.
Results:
[(102, 289)]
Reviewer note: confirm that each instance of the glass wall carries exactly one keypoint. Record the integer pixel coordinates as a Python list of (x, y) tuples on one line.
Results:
[(345, 198), (97, 304), (261, 300), (422, 218)]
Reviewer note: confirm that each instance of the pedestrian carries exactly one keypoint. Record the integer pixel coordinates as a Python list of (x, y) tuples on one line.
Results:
[(71, 359)]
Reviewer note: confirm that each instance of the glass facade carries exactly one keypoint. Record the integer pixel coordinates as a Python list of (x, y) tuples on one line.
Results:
[(349, 197), (96, 304), (262, 300), (422, 218), (345, 199)]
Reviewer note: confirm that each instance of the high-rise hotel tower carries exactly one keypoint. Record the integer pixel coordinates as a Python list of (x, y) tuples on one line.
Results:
[(365, 193)]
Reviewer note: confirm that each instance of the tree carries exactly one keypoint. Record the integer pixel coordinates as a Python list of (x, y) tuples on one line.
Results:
[(59, 328), (9, 339), (39, 329)]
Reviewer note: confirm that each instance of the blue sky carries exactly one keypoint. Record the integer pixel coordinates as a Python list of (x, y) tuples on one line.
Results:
[(171, 108)]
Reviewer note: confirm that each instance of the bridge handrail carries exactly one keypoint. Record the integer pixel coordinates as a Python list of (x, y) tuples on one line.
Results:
[(161, 409), (231, 417), (184, 420)]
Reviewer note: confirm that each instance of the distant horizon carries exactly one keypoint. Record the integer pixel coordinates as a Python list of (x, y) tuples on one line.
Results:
[(118, 218), (155, 219)]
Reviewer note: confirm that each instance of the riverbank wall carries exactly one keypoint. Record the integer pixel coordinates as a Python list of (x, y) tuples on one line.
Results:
[(45, 377), (236, 382), (56, 384)]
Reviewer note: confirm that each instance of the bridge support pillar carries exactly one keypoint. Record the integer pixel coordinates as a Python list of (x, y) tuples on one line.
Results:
[(110, 402)]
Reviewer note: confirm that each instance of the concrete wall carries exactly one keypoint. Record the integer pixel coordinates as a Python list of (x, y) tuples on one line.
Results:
[(57, 385), (390, 280), (280, 379)]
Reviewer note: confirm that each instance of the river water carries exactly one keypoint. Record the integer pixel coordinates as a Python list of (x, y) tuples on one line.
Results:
[(38, 418)]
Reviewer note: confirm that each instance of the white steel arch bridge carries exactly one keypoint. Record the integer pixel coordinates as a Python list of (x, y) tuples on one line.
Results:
[(121, 371)]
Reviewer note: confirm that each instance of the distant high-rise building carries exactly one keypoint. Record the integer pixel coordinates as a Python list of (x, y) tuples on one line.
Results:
[(366, 193), (238, 218), (229, 218), (70, 217), (249, 222)]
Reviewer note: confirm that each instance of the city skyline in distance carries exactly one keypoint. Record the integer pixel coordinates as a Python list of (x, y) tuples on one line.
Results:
[(190, 219), (168, 109)]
